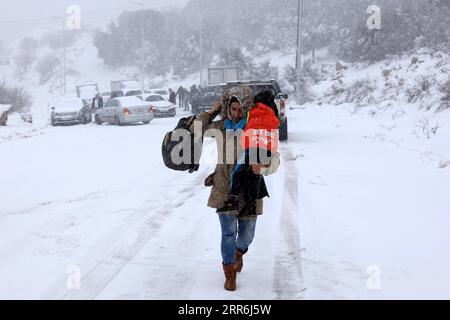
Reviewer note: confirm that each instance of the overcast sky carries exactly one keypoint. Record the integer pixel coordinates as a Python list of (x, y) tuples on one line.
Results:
[(15, 14)]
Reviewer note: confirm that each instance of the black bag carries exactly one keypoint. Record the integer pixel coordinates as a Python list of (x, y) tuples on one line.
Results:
[(170, 147)]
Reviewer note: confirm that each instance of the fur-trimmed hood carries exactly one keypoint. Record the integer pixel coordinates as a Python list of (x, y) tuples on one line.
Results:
[(244, 95)]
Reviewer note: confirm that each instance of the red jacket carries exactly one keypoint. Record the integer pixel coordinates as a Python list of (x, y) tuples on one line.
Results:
[(261, 130)]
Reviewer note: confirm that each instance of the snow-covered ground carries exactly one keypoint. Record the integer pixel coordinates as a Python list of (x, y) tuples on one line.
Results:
[(358, 210), (356, 192), (372, 197)]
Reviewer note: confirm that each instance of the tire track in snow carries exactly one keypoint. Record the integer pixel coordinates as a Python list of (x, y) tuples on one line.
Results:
[(103, 272), (288, 271), (31, 132), (36, 209), (166, 280)]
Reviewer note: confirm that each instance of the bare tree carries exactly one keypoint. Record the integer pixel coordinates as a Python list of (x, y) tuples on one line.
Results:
[(26, 55), (46, 68)]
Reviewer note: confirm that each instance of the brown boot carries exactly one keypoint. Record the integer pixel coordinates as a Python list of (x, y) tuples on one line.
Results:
[(230, 277), (239, 260)]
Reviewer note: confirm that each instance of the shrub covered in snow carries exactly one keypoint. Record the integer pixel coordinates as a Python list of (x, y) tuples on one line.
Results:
[(19, 100), (361, 92), (445, 90), (420, 88)]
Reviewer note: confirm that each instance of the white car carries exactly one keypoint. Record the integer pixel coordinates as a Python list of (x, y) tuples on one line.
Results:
[(70, 111), (125, 110), (162, 92), (162, 107)]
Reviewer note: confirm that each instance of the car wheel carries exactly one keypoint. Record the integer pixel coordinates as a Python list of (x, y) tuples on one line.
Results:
[(284, 130), (97, 119), (146, 122)]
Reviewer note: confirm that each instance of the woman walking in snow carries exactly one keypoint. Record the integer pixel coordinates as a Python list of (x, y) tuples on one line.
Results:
[(237, 232)]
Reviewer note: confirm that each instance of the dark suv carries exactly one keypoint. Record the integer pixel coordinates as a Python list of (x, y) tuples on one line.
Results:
[(206, 98), (212, 93)]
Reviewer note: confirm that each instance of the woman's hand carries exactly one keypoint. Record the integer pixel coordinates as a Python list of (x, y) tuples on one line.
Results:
[(257, 167)]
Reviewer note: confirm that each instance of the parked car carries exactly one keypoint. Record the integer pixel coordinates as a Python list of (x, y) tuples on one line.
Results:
[(162, 92), (27, 117), (70, 111), (125, 110), (162, 107)]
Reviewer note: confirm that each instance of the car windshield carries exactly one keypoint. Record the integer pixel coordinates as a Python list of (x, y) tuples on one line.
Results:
[(260, 88), (154, 98), (117, 94), (133, 93), (212, 89)]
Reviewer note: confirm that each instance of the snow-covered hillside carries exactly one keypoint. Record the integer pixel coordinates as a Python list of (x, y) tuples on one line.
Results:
[(415, 78)]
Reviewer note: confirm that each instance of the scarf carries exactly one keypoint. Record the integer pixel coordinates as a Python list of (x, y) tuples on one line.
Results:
[(230, 125)]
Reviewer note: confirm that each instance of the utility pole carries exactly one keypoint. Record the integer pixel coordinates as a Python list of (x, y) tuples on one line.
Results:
[(142, 47), (299, 52), (63, 57), (142, 41), (201, 51), (60, 51)]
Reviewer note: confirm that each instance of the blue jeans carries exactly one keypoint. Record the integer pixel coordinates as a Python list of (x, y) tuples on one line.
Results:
[(236, 233)]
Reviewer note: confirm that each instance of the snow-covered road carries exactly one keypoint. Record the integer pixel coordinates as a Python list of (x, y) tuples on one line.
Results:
[(98, 200)]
